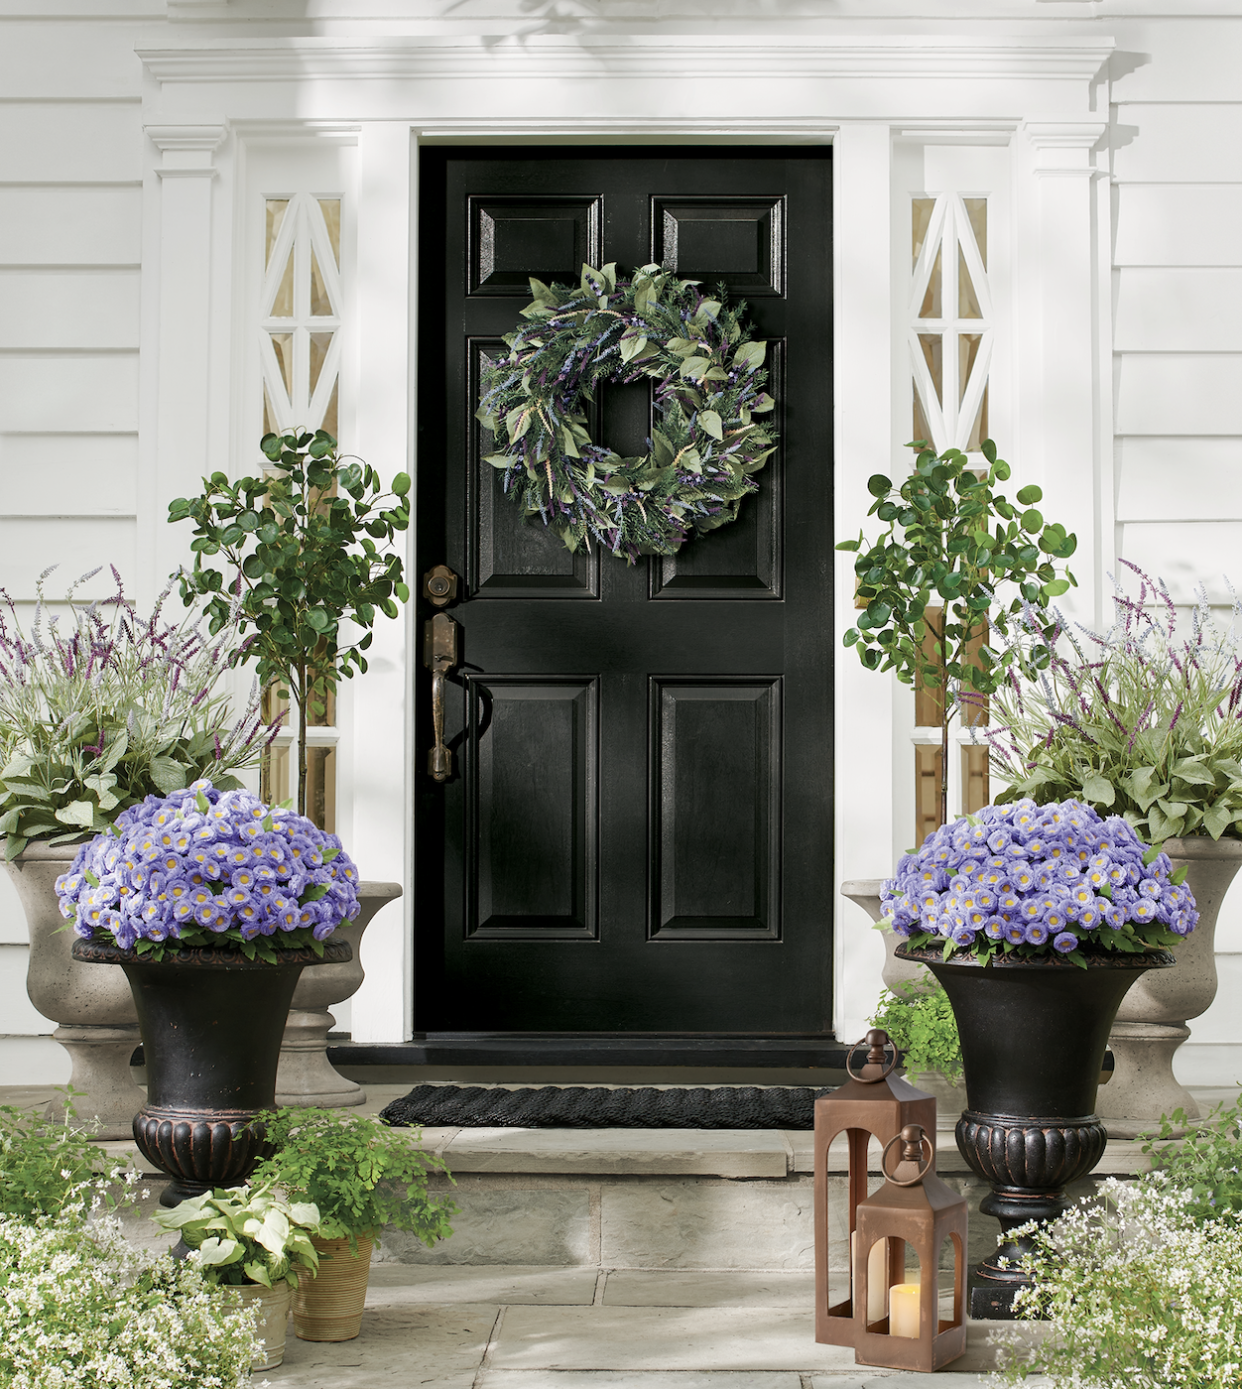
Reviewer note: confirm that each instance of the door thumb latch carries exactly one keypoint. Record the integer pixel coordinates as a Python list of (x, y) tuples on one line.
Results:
[(439, 656)]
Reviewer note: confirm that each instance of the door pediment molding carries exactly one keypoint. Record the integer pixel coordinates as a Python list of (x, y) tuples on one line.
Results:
[(904, 58)]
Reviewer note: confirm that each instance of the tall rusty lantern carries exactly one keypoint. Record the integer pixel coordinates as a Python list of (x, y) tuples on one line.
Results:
[(913, 1207), (872, 1103)]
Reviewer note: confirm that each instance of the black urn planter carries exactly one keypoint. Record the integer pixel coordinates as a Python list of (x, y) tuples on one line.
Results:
[(1033, 1035), (212, 1023)]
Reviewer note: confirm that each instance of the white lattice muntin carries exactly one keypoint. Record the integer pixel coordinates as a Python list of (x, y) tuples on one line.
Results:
[(301, 311), (951, 322)]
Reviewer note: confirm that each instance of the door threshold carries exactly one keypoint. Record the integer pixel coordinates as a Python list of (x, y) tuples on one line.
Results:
[(596, 1049)]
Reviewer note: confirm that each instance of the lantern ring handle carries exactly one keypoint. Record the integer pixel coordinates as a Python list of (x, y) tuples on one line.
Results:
[(849, 1056), (922, 1172)]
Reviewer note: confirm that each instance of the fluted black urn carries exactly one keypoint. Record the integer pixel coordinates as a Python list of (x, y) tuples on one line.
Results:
[(1033, 1035), (212, 1023)]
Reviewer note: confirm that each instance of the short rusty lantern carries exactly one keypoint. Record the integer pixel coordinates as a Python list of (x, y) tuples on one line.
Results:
[(872, 1103), (913, 1207)]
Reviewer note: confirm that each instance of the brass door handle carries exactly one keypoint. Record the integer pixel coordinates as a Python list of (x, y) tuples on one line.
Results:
[(439, 656)]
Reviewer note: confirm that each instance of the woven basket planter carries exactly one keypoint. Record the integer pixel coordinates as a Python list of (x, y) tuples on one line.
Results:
[(273, 1320), (329, 1306)]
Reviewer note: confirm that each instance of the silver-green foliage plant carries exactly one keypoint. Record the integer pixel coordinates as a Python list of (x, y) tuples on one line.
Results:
[(959, 560), (1139, 721), (1134, 1290), (109, 707), (360, 1173), (919, 1020), (1206, 1161), (47, 1165), (82, 1308), (247, 1235)]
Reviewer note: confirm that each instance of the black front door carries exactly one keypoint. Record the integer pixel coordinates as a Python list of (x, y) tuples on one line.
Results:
[(637, 834)]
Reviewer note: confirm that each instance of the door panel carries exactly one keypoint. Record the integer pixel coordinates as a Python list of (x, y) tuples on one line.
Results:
[(637, 835)]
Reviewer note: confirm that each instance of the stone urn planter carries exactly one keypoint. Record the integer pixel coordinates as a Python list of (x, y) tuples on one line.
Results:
[(1151, 1022), (211, 1023), (92, 1007), (305, 1075), (866, 892), (1033, 1033)]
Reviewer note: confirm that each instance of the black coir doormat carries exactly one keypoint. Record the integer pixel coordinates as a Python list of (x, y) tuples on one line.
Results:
[(597, 1107)]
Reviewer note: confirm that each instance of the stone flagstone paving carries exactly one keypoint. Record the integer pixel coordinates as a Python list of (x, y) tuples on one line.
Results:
[(535, 1327)]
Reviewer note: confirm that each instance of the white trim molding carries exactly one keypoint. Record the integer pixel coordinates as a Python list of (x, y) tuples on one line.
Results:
[(903, 58), (1040, 96)]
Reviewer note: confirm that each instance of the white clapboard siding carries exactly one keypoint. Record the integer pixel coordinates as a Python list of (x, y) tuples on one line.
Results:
[(89, 394), (28, 545), (1162, 309), (1159, 61), (71, 226), (1179, 393), (1185, 553), (90, 60), (1168, 479), (1178, 224), (69, 308), (69, 474), (70, 142), (17, 1013), (1178, 143)]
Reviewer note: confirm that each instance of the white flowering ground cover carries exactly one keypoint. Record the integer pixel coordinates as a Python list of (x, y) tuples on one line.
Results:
[(81, 1308), (1139, 1292)]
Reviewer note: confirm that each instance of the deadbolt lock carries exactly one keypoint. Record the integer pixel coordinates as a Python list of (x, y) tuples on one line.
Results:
[(440, 585)]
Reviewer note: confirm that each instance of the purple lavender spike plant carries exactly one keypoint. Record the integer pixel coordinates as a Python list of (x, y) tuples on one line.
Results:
[(206, 867), (1030, 880), (1142, 721), (110, 707)]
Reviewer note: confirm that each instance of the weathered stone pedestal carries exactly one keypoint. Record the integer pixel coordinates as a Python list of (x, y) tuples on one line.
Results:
[(92, 1004), (306, 1077), (1151, 1022)]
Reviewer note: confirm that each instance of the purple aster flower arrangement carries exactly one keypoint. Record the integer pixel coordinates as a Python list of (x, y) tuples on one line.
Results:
[(1027, 880), (205, 867)]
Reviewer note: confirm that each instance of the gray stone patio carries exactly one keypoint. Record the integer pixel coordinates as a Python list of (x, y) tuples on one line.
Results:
[(610, 1259)]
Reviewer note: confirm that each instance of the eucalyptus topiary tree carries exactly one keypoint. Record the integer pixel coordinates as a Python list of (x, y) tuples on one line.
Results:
[(930, 582), (309, 543)]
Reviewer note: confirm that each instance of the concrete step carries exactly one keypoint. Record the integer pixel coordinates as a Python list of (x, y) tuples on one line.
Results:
[(686, 1200)]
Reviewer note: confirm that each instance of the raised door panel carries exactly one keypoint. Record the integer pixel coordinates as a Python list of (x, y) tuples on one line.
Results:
[(531, 809), (509, 557), (716, 809), (737, 240), (512, 239)]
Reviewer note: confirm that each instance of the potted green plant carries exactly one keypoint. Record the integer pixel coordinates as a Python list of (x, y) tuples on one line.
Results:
[(931, 584), (212, 903), (101, 706), (1143, 721), (363, 1177), (300, 541), (918, 1018), (247, 1239)]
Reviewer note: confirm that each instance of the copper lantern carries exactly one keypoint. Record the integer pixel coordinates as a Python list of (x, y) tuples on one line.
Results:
[(872, 1103), (913, 1207)]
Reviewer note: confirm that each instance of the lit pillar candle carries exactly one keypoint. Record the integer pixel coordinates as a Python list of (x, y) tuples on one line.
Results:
[(903, 1309), (877, 1276)]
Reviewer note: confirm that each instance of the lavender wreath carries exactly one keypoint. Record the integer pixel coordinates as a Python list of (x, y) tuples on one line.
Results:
[(705, 444)]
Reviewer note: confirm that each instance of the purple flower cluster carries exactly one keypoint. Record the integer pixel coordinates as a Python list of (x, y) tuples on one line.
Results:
[(203, 866), (1035, 878)]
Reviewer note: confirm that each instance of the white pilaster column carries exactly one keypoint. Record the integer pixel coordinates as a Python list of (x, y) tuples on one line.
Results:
[(177, 284), (385, 758), (863, 394), (1073, 389)]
